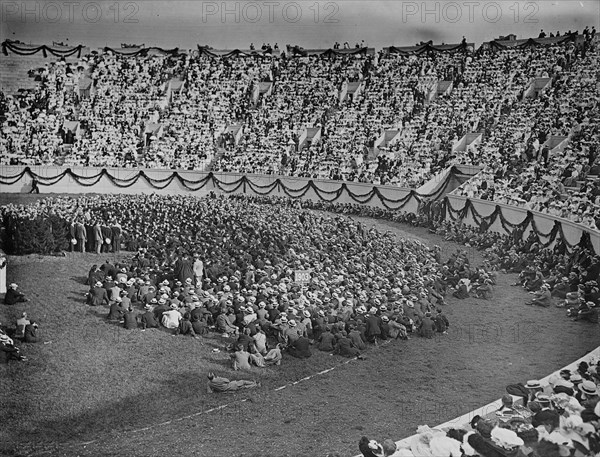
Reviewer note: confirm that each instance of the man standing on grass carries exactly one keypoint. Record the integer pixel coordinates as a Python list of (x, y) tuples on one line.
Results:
[(106, 237), (34, 186), (198, 269), (80, 235), (184, 269), (219, 384), (98, 240), (116, 232)]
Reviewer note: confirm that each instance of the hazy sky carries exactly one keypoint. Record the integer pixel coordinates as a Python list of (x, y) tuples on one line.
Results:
[(229, 24)]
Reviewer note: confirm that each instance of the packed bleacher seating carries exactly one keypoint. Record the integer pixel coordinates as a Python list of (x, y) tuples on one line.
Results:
[(521, 169), (323, 117)]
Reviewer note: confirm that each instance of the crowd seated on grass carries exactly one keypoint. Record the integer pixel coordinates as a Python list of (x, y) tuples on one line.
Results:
[(570, 273), (25, 330), (560, 417), (537, 264), (228, 265)]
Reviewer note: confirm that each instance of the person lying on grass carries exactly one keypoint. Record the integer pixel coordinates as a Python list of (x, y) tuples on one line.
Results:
[(217, 384)]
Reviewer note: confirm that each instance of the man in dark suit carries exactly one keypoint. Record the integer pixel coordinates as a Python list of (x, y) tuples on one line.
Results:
[(89, 236), (106, 236), (373, 323), (72, 236), (147, 318), (12, 296), (116, 231), (300, 348), (34, 186), (427, 326), (98, 295), (184, 268), (130, 319)]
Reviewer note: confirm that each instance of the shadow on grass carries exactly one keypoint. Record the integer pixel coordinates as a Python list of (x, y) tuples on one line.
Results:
[(164, 400), (80, 279)]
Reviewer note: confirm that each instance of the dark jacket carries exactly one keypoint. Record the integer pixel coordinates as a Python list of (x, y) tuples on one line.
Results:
[(300, 348), (31, 334), (98, 296), (148, 320), (130, 320), (427, 327), (12, 297)]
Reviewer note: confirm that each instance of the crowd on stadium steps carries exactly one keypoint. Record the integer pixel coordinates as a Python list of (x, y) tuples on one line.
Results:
[(521, 170), (193, 112), (560, 417)]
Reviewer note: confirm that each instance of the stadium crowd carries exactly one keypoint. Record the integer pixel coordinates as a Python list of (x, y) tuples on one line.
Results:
[(233, 265), (522, 169), (252, 114), (230, 265), (570, 273), (222, 264)]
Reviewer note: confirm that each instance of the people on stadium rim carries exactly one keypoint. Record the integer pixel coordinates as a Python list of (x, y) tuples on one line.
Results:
[(128, 121), (560, 417)]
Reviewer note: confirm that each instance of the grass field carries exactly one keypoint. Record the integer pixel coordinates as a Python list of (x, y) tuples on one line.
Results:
[(93, 388)]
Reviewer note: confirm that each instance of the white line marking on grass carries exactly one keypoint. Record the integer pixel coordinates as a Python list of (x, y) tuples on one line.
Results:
[(199, 413)]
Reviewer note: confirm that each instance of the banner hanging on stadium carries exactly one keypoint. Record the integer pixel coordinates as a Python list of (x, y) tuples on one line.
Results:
[(299, 51), (531, 42), (23, 49), (430, 205), (429, 47), (210, 52), (135, 51), (438, 211)]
